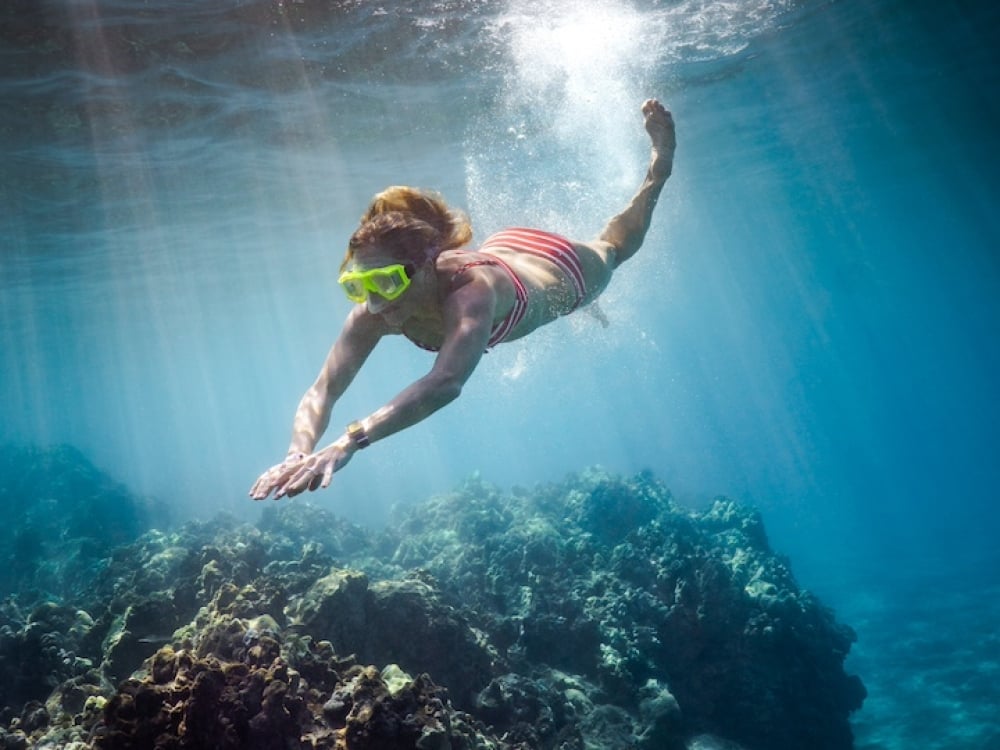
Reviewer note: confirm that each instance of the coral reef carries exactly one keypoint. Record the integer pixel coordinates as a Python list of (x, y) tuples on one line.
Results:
[(62, 518), (594, 613), (668, 612)]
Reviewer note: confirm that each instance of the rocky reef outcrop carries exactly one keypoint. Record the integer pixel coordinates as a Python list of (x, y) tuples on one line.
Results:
[(62, 518), (593, 613), (683, 621)]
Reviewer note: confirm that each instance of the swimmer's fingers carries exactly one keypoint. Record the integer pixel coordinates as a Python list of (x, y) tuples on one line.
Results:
[(317, 471), (297, 481), (276, 476), (327, 475), (265, 483), (338, 460)]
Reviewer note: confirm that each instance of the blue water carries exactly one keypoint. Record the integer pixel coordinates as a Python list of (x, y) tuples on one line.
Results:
[(812, 325)]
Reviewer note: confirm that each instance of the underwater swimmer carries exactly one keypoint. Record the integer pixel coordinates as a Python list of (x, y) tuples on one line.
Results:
[(409, 271)]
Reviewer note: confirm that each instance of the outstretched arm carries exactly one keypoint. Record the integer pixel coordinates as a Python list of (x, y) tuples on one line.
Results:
[(358, 338), (468, 318)]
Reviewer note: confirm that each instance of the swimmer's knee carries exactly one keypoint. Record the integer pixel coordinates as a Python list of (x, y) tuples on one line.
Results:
[(622, 252)]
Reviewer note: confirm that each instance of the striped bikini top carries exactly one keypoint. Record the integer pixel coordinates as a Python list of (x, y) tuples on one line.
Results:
[(558, 250)]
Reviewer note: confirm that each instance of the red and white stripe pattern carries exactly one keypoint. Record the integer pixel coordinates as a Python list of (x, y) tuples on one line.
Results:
[(502, 329), (553, 248), (509, 323)]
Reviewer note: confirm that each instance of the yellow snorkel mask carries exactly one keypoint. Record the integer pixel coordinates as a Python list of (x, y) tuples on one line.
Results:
[(387, 282)]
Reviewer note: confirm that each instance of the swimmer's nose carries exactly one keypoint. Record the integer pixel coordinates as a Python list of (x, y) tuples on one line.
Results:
[(376, 303)]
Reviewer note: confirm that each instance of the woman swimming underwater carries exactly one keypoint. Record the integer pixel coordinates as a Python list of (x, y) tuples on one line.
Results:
[(410, 271)]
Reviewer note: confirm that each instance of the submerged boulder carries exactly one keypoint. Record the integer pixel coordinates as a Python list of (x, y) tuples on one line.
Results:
[(395, 621), (695, 602)]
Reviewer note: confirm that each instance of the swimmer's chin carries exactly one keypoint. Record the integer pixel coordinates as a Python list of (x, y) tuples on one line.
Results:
[(394, 317)]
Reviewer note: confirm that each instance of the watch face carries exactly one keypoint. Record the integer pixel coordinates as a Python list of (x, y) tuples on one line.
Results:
[(356, 431)]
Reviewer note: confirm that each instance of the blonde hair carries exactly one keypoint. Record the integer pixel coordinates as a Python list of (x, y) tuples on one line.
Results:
[(415, 223)]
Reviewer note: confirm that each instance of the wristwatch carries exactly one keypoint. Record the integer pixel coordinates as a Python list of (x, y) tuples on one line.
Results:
[(356, 432)]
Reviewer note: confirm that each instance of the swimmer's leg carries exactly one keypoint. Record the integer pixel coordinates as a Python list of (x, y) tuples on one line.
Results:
[(626, 231)]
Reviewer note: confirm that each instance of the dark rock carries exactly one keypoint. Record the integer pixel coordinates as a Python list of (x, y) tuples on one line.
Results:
[(142, 628), (335, 609), (525, 707), (401, 622), (38, 651), (33, 717), (408, 624)]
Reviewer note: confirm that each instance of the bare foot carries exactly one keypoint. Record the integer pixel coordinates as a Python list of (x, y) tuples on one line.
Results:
[(660, 126)]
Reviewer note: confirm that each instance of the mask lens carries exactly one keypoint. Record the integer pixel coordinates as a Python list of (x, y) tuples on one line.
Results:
[(390, 282), (355, 289)]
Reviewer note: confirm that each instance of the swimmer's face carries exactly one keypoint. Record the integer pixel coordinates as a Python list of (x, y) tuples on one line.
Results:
[(399, 310)]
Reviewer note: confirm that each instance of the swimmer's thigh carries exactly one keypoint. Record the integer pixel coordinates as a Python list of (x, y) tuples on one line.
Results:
[(597, 258)]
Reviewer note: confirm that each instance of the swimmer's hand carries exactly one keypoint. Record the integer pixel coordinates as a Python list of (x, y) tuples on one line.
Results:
[(300, 472), (268, 481)]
